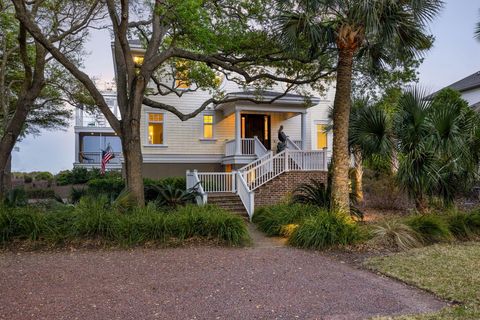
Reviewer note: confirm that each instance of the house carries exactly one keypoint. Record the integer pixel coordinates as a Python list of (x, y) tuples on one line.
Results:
[(469, 87), (93, 134), (228, 151)]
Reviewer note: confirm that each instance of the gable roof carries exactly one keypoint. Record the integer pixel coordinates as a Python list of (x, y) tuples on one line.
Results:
[(468, 83)]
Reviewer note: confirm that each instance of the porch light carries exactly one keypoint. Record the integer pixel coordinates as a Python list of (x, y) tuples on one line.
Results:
[(138, 60)]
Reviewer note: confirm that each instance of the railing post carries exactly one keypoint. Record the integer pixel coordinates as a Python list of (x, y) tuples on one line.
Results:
[(286, 160), (325, 164), (234, 185), (188, 179)]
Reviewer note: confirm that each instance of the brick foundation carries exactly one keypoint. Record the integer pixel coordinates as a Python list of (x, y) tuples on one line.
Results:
[(279, 188)]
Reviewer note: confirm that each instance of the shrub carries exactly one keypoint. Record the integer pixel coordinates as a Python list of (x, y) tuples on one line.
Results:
[(16, 198), (40, 194), (458, 225), (43, 176), (152, 187), (324, 230), (111, 187), (315, 193), (96, 219), (395, 234), (272, 219), (473, 222), (20, 223), (432, 228), (169, 196), (27, 179), (77, 194)]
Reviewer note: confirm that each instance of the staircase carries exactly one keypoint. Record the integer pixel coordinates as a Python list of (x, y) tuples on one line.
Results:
[(228, 201), (235, 191)]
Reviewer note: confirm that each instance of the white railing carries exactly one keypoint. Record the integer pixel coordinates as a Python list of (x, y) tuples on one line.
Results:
[(217, 181), (252, 176), (96, 157), (287, 160), (259, 148), (292, 145), (307, 160), (193, 181), (230, 148), (246, 195), (248, 146), (299, 143), (265, 171), (255, 163)]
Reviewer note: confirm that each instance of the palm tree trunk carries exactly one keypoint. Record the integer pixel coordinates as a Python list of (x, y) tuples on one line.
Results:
[(358, 175), (341, 113)]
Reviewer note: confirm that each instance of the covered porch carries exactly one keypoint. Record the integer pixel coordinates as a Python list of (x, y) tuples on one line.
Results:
[(255, 130)]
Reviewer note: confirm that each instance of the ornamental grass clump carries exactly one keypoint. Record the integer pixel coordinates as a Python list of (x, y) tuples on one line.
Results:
[(273, 219), (105, 223), (325, 229), (431, 228), (395, 234)]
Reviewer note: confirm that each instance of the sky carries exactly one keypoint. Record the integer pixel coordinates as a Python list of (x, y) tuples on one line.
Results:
[(455, 55)]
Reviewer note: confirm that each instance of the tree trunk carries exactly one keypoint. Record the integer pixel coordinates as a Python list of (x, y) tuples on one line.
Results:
[(341, 113), (132, 154), (8, 140), (358, 175), (421, 204)]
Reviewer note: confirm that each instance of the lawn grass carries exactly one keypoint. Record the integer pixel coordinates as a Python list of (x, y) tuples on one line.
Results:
[(451, 271)]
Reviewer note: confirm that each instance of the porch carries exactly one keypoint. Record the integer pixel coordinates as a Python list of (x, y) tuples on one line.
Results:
[(255, 127)]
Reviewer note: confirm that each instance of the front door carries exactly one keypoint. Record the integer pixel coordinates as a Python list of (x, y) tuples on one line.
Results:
[(257, 125)]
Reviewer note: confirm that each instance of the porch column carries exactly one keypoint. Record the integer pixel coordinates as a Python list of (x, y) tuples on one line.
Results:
[(77, 147), (238, 133), (304, 130)]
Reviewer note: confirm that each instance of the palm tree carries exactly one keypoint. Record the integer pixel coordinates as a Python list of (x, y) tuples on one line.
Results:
[(477, 31), (436, 140), (370, 134), (381, 30)]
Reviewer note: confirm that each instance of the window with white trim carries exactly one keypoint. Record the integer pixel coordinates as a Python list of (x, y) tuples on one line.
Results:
[(321, 136), (156, 128), (208, 126)]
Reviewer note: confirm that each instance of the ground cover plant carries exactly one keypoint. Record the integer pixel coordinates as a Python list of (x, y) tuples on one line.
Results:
[(325, 229), (100, 220), (273, 219), (307, 226), (448, 270)]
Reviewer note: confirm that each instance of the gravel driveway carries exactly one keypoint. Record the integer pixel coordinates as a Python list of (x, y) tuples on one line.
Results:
[(263, 282)]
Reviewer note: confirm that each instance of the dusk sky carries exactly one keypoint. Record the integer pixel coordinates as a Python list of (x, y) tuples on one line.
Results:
[(456, 54)]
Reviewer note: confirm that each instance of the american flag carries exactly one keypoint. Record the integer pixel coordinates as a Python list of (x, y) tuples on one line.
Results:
[(107, 155)]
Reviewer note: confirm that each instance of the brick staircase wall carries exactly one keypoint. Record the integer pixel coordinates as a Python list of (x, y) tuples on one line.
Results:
[(279, 188)]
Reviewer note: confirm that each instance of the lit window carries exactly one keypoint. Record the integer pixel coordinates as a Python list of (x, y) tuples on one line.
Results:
[(208, 126), (321, 136), (155, 128)]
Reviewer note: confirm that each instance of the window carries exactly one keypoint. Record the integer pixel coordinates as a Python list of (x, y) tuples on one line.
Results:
[(155, 128), (208, 126), (321, 136)]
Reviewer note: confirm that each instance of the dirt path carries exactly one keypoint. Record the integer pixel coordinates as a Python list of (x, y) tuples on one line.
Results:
[(265, 281)]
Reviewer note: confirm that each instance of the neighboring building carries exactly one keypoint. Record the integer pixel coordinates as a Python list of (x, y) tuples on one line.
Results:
[(93, 134), (469, 87)]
